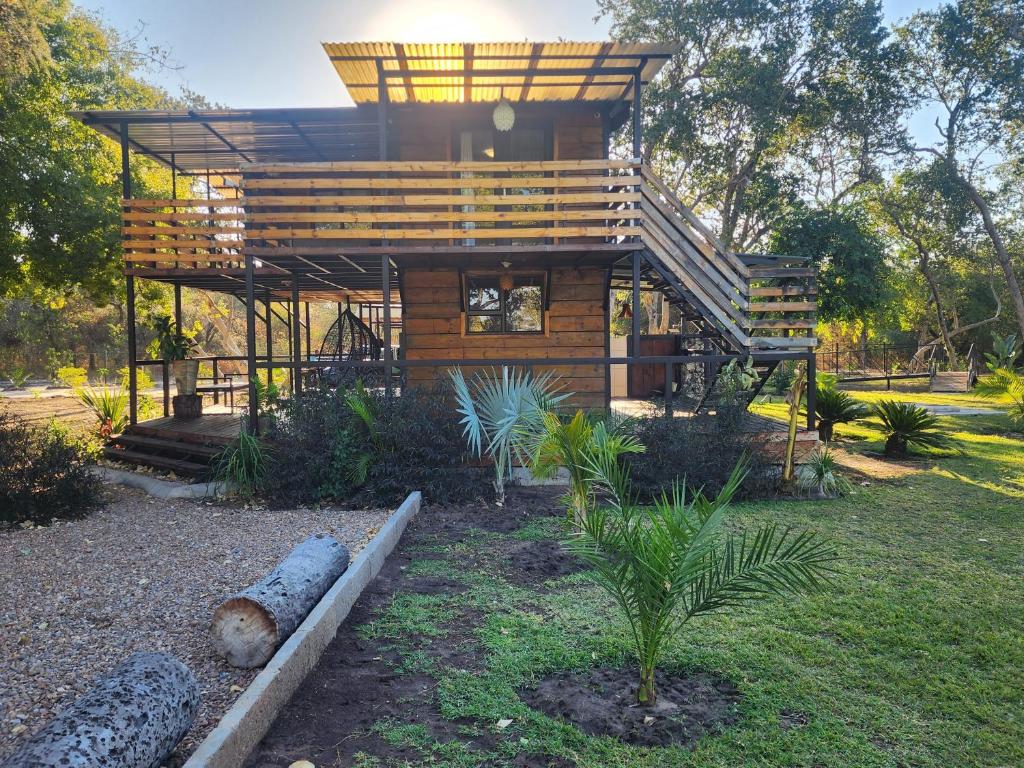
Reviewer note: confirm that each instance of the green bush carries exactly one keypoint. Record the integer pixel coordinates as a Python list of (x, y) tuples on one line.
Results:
[(323, 449), (45, 475), (72, 376), (833, 407), (110, 406), (699, 451), (905, 424), (244, 464)]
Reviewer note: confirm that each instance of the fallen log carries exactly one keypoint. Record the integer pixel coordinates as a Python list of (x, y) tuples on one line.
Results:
[(249, 627), (133, 717)]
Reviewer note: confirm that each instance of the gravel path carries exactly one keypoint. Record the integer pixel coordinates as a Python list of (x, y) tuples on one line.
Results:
[(142, 574)]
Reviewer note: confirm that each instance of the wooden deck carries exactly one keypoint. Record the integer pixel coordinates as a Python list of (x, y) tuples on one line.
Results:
[(208, 429)]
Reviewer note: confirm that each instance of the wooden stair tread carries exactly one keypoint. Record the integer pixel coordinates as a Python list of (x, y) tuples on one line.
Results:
[(178, 446), (179, 466)]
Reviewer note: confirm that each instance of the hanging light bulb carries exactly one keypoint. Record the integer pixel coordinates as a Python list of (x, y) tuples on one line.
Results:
[(504, 116)]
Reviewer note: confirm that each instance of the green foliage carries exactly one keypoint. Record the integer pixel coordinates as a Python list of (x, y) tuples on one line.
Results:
[(19, 376), (72, 376), (171, 344), (734, 378), (244, 465), (498, 409), (1005, 383), (668, 563), (1004, 354), (575, 445), (268, 396), (820, 475), (905, 424), (849, 253), (109, 405), (781, 379), (45, 475), (833, 406)]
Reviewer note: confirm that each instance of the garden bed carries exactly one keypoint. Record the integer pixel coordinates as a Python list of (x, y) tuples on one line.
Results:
[(140, 575)]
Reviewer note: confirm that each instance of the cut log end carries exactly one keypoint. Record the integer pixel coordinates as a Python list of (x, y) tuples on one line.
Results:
[(244, 632)]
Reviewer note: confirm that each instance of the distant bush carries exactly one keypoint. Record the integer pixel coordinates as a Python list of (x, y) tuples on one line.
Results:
[(45, 474), (702, 451), (373, 449), (72, 376)]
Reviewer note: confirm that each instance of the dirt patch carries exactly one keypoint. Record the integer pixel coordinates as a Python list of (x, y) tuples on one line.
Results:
[(539, 561), (601, 702), (343, 708), (867, 468)]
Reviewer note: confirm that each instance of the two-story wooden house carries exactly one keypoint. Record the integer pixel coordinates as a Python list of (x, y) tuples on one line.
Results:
[(468, 197)]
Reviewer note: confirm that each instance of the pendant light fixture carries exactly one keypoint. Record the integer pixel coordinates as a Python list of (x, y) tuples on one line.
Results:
[(504, 116)]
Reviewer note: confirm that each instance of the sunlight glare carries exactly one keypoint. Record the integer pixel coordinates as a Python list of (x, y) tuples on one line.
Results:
[(436, 21)]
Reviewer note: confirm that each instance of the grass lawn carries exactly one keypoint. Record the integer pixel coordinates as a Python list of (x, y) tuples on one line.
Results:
[(914, 658)]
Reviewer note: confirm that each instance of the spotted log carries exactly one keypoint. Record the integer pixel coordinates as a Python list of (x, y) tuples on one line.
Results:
[(131, 718)]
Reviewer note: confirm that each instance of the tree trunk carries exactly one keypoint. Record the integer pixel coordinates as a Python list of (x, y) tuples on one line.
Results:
[(825, 430), (249, 627), (895, 447), (646, 694), (131, 718)]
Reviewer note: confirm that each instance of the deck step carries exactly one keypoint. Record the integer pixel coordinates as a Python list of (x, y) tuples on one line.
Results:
[(178, 466), (129, 441)]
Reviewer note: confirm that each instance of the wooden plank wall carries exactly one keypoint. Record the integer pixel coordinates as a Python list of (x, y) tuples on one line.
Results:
[(433, 329)]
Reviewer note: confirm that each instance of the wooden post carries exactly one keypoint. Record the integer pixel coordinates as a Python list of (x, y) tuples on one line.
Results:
[(309, 342), (637, 121), (296, 337), (250, 342), (635, 352), (133, 353), (668, 389), (812, 391), (385, 267), (270, 335)]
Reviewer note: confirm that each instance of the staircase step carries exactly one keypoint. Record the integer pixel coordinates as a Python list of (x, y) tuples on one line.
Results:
[(178, 466), (130, 441)]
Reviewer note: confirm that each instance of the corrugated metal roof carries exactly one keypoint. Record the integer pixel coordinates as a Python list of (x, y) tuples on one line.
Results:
[(483, 72), (222, 139)]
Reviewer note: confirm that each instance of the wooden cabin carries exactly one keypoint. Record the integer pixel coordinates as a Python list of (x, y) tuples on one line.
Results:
[(470, 206)]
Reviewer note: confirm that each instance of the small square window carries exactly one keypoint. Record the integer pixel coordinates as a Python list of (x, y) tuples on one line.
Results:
[(507, 303)]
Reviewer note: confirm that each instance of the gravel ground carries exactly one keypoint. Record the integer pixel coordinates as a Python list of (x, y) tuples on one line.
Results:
[(140, 575)]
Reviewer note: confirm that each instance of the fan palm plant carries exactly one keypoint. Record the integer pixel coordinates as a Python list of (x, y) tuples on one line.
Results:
[(498, 409), (666, 564), (905, 424), (573, 444), (833, 406), (1005, 382)]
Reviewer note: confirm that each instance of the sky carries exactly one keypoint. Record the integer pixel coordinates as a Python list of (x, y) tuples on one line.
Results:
[(266, 53)]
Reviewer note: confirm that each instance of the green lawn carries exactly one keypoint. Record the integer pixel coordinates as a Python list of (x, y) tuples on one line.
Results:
[(914, 658)]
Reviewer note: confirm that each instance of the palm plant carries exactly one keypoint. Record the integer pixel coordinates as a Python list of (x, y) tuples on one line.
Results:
[(244, 465), (1004, 354), (110, 407), (666, 564), (498, 410), (573, 444), (833, 406), (905, 424), (1005, 382), (820, 475), (364, 408)]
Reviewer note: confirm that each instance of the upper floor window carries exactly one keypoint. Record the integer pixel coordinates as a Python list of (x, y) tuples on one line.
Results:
[(505, 303)]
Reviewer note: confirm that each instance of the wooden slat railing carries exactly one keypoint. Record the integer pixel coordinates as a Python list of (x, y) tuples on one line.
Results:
[(171, 233), (439, 203)]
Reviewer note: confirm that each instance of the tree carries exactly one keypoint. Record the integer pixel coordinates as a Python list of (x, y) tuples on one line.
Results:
[(757, 90), (967, 64), (847, 250)]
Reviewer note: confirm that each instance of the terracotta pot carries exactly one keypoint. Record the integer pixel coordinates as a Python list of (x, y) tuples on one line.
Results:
[(185, 374)]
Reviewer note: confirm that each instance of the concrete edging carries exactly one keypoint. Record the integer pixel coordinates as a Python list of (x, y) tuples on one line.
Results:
[(161, 489), (245, 724)]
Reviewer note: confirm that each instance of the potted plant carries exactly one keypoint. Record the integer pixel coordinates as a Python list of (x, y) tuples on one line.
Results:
[(174, 346)]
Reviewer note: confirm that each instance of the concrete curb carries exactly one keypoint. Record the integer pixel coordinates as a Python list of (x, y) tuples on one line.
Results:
[(248, 720), (161, 489)]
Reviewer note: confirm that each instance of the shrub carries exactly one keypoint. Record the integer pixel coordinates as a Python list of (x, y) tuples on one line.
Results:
[(820, 475), (244, 464), (1005, 382), (318, 439), (45, 475), (19, 376), (110, 406), (143, 380), (72, 376), (781, 379), (700, 451), (836, 407), (1004, 354), (905, 424), (665, 564)]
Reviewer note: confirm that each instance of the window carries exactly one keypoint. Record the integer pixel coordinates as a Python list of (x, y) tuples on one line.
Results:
[(505, 303)]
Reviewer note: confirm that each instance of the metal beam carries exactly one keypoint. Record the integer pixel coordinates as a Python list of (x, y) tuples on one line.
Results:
[(126, 193), (250, 343), (220, 136)]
